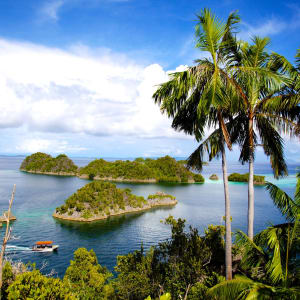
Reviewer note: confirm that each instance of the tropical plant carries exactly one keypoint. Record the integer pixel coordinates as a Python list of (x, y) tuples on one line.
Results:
[(201, 97), (86, 278), (265, 84), (34, 285), (186, 265), (270, 263)]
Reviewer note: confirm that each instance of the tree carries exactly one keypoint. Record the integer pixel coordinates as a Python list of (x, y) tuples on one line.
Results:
[(271, 261), (201, 97), (266, 85), (34, 285), (86, 278)]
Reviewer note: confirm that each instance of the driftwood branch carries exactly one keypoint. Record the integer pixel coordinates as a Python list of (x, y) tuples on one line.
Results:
[(7, 233)]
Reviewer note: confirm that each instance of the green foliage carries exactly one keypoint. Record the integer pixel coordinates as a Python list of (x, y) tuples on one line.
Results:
[(183, 262), (166, 296), (91, 176), (270, 263), (7, 278), (163, 169), (135, 279), (160, 196), (198, 178), (34, 285), (42, 162), (86, 278), (236, 177), (102, 197)]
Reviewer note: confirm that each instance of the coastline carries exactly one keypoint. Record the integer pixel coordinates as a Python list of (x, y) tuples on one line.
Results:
[(118, 179), (49, 173), (167, 202)]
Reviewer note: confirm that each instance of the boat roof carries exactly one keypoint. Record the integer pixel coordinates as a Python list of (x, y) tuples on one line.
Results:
[(44, 243)]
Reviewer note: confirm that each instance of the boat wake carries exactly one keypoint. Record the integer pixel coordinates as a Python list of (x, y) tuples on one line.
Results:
[(13, 248)]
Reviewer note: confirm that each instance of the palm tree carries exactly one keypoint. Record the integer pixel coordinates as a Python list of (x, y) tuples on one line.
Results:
[(265, 85), (200, 97), (271, 261)]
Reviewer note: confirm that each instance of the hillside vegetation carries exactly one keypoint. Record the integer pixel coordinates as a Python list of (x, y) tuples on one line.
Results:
[(164, 169), (45, 163), (236, 177), (99, 199)]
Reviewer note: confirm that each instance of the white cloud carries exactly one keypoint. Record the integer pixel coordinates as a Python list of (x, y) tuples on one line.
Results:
[(50, 9), (270, 27), (104, 94), (47, 145)]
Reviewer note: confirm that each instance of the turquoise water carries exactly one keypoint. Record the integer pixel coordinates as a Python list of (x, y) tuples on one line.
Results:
[(37, 196)]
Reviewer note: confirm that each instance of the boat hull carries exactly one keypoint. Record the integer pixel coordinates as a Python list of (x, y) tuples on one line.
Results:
[(46, 249)]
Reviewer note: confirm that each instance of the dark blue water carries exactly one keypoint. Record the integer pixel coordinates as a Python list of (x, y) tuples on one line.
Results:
[(37, 196)]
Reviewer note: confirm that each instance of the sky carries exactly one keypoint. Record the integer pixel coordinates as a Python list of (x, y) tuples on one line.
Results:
[(77, 76)]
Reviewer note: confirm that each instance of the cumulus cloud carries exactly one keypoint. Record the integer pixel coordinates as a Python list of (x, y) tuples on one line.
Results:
[(46, 145), (51, 90)]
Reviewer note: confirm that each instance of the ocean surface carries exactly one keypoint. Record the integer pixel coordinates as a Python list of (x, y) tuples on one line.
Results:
[(37, 196)]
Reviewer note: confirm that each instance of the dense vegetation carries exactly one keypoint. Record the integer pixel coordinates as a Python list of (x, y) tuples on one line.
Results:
[(236, 177), (186, 266), (42, 162), (163, 169), (100, 198)]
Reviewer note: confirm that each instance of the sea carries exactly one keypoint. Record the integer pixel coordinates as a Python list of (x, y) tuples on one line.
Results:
[(200, 205)]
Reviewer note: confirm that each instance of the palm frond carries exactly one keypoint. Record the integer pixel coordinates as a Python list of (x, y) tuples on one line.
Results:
[(283, 202), (272, 144)]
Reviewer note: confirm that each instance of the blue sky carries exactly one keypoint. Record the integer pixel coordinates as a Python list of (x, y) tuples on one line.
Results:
[(76, 76)]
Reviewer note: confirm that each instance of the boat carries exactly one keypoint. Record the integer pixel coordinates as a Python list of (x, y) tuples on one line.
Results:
[(44, 246)]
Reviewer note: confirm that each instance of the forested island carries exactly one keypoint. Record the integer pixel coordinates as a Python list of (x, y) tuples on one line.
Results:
[(163, 169), (99, 200), (43, 163), (236, 177)]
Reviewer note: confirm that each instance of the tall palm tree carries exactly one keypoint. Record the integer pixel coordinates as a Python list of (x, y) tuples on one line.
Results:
[(271, 261), (199, 97), (266, 87)]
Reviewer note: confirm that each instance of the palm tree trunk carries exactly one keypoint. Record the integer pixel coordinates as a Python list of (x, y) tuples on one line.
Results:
[(251, 184), (228, 241)]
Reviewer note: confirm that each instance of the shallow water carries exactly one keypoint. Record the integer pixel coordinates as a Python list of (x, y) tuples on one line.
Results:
[(37, 196)]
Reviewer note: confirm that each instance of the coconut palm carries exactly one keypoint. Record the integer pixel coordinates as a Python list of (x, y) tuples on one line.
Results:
[(200, 97), (271, 260), (267, 87)]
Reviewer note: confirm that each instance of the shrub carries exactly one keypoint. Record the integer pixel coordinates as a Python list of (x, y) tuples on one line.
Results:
[(86, 278), (33, 285)]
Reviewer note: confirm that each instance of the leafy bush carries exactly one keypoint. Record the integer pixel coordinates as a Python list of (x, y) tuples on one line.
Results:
[(86, 278), (34, 285), (186, 259)]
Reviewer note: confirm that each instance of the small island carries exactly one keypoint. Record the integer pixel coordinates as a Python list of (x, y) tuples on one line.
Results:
[(163, 169), (236, 177), (214, 177), (99, 200), (42, 163)]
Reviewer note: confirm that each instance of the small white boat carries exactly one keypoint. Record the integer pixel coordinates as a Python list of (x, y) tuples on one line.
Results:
[(44, 246)]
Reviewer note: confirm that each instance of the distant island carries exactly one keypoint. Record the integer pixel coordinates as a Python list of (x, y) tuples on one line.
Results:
[(43, 163), (99, 200), (236, 177), (163, 169)]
